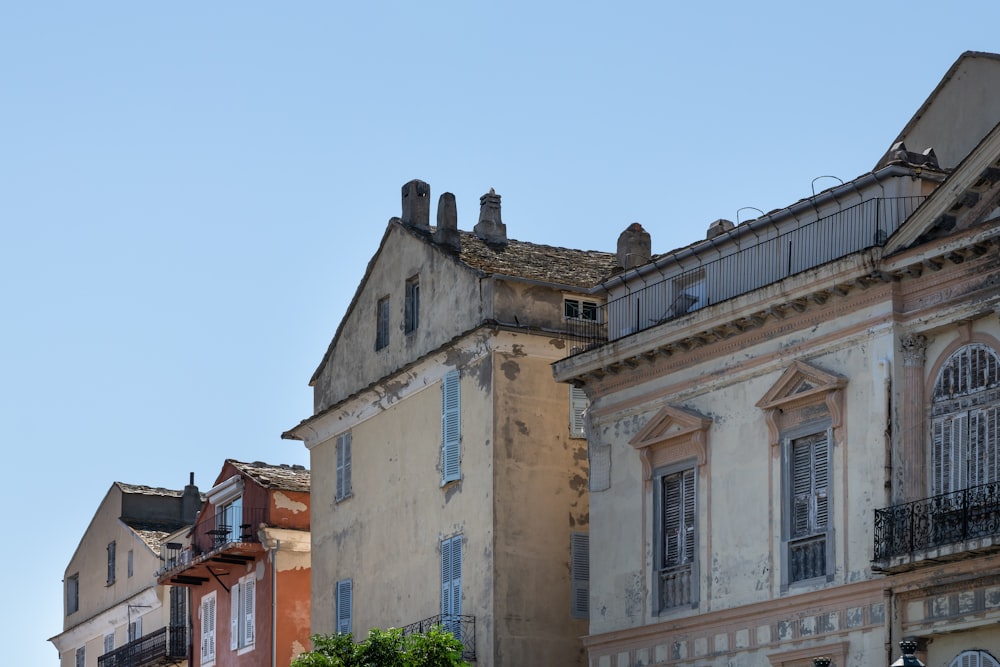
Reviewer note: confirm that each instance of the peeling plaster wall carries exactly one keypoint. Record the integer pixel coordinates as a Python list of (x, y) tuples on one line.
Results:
[(386, 535), (450, 303), (541, 497)]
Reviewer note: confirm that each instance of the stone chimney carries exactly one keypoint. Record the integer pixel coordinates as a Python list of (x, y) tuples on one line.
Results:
[(635, 247), (447, 223), (417, 205), (718, 228), (190, 502), (490, 228)]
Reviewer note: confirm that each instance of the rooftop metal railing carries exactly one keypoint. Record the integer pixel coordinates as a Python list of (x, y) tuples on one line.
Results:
[(753, 260)]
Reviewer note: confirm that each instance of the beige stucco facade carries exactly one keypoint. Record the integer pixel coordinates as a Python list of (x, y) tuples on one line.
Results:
[(520, 493), (841, 356), (110, 581)]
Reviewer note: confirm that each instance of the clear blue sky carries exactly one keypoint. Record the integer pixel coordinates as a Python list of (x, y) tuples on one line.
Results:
[(190, 192)]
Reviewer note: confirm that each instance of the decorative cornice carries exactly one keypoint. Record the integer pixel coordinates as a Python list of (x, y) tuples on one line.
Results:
[(673, 434), (800, 385), (914, 348)]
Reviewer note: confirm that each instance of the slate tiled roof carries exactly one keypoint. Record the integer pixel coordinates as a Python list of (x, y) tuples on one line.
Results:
[(153, 538), (532, 261), (148, 490), (283, 477)]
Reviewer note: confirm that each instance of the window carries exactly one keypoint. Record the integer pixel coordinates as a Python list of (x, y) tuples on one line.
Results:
[(578, 404), (451, 585), (965, 421), (382, 323), (72, 594), (411, 305), (228, 521), (81, 657), (689, 293), (343, 466), (111, 563), (135, 629), (344, 600), (451, 428), (109, 642), (675, 553), (579, 556), (577, 309), (242, 597), (208, 629), (807, 463), (131, 562), (974, 659)]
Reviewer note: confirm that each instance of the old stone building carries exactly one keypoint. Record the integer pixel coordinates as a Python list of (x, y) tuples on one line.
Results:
[(794, 434), (450, 468)]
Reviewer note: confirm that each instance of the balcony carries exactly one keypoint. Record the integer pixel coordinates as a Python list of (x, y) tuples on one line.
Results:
[(676, 587), (162, 647), (463, 627), (945, 527), (753, 259), (229, 537)]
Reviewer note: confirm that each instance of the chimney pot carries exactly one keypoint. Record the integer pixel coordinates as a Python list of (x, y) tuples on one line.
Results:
[(447, 223), (417, 205), (635, 247), (718, 228), (490, 227)]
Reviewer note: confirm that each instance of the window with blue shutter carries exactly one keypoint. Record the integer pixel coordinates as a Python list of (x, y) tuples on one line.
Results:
[(451, 428), (451, 585), (343, 466), (344, 601)]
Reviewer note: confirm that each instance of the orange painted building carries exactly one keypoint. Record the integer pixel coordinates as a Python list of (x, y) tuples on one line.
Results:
[(248, 568)]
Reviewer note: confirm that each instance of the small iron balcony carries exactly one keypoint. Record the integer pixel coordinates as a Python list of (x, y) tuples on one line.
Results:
[(162, 647), (944, 524), (463, 627)]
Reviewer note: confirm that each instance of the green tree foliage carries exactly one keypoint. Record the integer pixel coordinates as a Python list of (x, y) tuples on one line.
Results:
[(385, 648)]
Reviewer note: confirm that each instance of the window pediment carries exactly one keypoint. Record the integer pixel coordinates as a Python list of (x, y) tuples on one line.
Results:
[(803, 389), (673, 434)]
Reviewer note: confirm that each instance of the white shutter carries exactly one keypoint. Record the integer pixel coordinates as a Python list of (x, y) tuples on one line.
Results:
[(249, 602), (234, 616), (208, 628), (580, 574), (578, 404), (451, 423)]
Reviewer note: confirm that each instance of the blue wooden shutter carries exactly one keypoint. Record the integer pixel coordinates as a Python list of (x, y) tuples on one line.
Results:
[(344, 602), (451, 585), (451, 428)]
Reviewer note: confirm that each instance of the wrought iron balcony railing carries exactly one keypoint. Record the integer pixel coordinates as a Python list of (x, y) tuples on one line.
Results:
[(160, 647), (463, 627), (950, 518), (755, 261), (233, 524)]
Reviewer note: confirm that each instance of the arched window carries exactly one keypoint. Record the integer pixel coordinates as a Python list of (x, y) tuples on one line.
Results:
[(965, 420), (974, 659)]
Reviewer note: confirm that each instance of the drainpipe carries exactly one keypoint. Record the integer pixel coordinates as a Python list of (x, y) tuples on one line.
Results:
[(274, 603)]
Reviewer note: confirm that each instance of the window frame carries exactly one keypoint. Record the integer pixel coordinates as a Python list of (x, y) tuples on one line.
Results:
[(411, 304), (342, 490), (229, 517), (688, 563), (80, 657), (578, 309), (789, 540), (382, 318), (112, 549), (242, 614), (72, 593)]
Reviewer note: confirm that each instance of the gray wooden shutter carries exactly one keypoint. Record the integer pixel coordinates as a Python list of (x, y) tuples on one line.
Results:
[(344, 465), (344, 601), (580, 574), (451, 433), (578, 404)]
